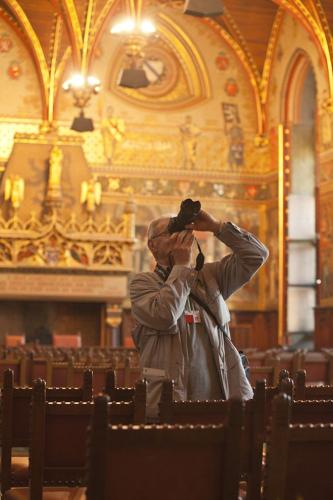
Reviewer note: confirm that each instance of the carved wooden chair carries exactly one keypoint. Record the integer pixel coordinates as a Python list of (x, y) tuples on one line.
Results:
[(314, 392), (114, 392), (217, 412), (100, 370), (318, 366), (264, 365), (18, 364), (299, 457), (15, 429), (58, 441), (164, 461)]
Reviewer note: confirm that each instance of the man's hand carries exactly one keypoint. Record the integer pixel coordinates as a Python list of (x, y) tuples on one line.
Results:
[(204, 222), (181, 247)]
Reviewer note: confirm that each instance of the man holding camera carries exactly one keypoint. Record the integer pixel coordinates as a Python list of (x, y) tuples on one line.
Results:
[(181, 316)]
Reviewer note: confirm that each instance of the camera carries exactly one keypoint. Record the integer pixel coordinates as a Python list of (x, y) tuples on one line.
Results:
[(189, 211)]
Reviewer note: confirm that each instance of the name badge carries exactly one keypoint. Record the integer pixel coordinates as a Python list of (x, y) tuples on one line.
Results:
[(192, 317)]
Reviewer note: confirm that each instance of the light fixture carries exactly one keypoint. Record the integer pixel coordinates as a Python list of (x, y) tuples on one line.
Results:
[(133, 26), (82, 88), (133, 78), (82, 124), (203, 8), (137, 31)]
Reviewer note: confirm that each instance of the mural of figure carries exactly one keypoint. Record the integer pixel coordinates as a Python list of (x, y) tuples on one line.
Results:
[(236, 147), (190, 134), (113, 131), (234, 133)]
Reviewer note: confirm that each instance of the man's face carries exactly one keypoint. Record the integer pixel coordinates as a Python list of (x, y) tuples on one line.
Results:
[(162, 242)]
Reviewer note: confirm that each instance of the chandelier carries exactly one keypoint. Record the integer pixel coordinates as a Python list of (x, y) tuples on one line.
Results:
[(82, 88), (82, 85), (137, 31)]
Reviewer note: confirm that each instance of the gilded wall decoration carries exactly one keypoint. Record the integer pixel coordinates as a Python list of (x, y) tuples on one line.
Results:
[(326, 249), (171, 68), (235, 134), (258, 190)]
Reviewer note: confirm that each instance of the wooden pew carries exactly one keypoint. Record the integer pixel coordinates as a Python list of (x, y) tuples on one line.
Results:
[(58, 441), (308, 392), (164, 462), (114, 392), (100, 370), (15, 429), (216, 412), (18, 364), (299, 457)]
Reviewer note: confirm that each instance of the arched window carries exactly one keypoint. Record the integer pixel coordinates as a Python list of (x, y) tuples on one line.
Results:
[(299, 270)]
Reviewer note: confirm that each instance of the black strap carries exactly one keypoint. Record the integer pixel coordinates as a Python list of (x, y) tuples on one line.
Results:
[(164, 274), (206, 308)]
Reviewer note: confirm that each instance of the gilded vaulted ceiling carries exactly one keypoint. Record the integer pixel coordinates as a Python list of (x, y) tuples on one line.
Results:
[(58, 31)]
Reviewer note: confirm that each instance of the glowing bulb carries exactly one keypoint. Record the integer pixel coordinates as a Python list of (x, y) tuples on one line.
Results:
[(147, 26), (125, 26), (93, 81), (129, 25), (77, 81)]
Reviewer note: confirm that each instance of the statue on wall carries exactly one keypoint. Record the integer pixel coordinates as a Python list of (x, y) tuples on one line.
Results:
[(190, 134), (54, 179), (113, 131), (91, 194), (56, 158), (14, 191)]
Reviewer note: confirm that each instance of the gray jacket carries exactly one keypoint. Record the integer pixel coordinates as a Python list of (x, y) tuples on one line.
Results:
[(158, 307)]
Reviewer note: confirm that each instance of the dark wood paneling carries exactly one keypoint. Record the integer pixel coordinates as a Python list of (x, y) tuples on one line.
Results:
[(323, 327), (42, 318)]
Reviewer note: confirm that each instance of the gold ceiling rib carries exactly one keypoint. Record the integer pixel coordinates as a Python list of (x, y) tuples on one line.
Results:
[(97, 28), (270, 54), (72, 22), (189, 53), (36, 49), (242, 56), (54, 57), (236, 33), (298, 9), (87, 36)]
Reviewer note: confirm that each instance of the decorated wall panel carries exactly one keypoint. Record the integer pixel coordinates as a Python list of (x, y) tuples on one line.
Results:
[(20, 92)]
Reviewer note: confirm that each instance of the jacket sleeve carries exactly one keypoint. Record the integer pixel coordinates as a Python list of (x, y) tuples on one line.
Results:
[(236, 269), (160, 307)]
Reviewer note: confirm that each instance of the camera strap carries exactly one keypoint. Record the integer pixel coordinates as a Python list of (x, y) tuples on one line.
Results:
[(200, 260), (164, 273)]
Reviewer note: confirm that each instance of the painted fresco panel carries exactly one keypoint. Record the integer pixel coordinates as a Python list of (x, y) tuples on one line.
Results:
[(20, 91)]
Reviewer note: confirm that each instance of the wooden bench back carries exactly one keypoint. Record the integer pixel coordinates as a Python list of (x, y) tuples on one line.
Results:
[(217, 412), (150, 462), (114, 392), (16, 413), (308, 392), (299, 457), (58, 445)]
